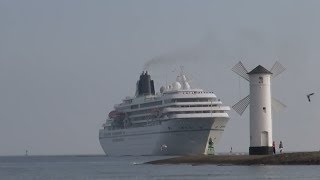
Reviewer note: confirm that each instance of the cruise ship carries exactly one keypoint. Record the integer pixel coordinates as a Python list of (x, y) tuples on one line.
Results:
[(177, 120)]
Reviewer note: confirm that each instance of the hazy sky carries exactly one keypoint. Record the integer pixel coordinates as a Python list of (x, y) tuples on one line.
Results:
[(64, 64)]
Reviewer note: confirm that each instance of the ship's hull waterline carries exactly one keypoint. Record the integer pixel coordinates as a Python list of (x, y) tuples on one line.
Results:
[(171, 137)]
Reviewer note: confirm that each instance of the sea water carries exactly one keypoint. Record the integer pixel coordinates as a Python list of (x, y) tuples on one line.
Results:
[(133, 167)]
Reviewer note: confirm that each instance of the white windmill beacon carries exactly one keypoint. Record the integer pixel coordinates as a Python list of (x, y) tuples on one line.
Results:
[(260, 105)]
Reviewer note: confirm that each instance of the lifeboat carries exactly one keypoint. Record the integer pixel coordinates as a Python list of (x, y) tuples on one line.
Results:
[(114, 114)]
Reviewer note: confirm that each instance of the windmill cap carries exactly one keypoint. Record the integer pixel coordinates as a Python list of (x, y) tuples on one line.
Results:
[(260, 70)]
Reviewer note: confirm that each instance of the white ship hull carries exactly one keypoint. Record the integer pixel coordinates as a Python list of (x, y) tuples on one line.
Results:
[(171, 137)]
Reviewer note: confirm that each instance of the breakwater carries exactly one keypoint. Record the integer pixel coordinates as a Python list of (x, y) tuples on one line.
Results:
[(297, 158)]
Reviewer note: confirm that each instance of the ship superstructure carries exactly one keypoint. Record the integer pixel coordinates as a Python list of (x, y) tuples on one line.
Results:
[(175, 121)]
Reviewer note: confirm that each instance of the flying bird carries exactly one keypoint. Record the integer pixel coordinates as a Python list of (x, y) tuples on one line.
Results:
[(308, 96)]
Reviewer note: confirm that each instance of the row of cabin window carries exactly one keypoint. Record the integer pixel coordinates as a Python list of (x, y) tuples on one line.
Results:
[(139, 124), (157, 103), (189, 100), (211, 105), (176, 112), (142, 118), (196, 92), (193, 112), (148, 110), (139, 112)]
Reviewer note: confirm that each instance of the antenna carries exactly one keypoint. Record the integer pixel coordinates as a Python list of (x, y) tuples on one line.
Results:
[(166, 80), (181, 68)]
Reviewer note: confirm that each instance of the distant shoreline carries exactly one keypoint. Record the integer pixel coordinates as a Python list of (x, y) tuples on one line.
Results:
[(54, 155), (297, 158)]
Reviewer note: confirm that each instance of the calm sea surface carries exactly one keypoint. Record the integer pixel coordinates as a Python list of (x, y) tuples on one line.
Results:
[(102, 167)]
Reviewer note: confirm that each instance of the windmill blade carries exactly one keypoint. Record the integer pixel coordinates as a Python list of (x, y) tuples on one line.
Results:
[(277, 69), (241, 70), (241, 106), (277, 105)]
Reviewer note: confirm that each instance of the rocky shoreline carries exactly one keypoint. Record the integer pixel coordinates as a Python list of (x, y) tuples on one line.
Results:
[(297, 158)]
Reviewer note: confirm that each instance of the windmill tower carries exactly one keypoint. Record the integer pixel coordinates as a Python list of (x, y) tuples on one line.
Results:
[(260, 105)]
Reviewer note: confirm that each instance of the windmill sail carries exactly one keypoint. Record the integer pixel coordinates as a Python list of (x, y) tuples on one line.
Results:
[(277, 69), (241, 106), (241, 70), (277, 105)]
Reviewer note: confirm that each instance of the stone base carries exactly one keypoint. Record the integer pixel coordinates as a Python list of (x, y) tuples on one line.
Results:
[(262, 150)]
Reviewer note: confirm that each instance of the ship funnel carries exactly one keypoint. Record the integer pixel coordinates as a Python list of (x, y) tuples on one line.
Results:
[(145, 86)]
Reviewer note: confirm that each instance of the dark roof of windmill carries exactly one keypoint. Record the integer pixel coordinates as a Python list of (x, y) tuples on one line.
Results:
[(260, 70)]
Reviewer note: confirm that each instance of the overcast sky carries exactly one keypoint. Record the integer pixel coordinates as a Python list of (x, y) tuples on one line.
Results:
[(64, 64)]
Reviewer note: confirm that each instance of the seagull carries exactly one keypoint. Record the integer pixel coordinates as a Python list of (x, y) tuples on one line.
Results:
[(308, 96)]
